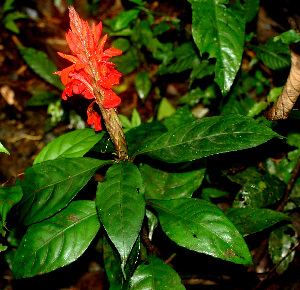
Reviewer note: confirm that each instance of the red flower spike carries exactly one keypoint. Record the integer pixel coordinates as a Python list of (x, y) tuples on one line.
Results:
[(89, 67)]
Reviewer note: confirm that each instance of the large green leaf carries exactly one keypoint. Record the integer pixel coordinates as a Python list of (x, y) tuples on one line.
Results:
[(201, 226), (165, 185), (154, 274), (208, 136), (252, 220), (180, 117), (121, 206), (40, 63), (9, 196), (51, 185), (139, 137), (219, 30), (70, 145), (112, 263), (58, 241)]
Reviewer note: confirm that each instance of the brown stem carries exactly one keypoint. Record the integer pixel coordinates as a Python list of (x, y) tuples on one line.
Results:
[(278, 263), (113, 125)]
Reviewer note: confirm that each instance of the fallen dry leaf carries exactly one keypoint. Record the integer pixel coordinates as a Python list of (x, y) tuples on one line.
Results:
[(290, 92)]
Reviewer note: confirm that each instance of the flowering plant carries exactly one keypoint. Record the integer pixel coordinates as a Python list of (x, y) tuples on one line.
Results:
[(159, 168), (92, 76)]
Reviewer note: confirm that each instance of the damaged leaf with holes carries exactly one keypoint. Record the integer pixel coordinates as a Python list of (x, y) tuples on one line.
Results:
[(258, 190), (281, 242)]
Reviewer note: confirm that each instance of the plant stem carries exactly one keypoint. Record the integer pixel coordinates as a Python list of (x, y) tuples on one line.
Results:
[(113, 125)]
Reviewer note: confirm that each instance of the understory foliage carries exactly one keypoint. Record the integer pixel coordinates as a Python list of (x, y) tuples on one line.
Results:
[(166, 179)]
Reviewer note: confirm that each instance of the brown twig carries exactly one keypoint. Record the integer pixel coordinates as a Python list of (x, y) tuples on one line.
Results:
[(278, 263), (280, 208), (290, 185)]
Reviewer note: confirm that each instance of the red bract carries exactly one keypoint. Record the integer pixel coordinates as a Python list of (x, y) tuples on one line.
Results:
[(90, 70)]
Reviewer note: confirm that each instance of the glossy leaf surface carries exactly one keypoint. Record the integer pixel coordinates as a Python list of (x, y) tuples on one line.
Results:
[(58, 241), (252, 220), (180, 117), (139, 137), (113, 264), (201, 226), (51, 185), (154, 274), (219, 29), (70, 145), (208, 136), (164, 185), (121, 206)]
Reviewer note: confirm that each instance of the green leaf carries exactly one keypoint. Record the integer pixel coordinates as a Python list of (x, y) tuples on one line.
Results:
[(139, 137), (259, 192), (161, 28), (112, 263), (183, 57), (42, 97), (12, 26), (128, 62), (165, 109), (142, 84), (252, 220), (288, 36), (152, 223), (51, 185), (70, 145), (251, 9), (194, 96), (147, 38), (281, 242), (138, 2), (121, 206), (40, 63), (208, 136), (180, 117), (123, 19), (8, 5), (135, 118), (275, 55), (202, 69), (208, 193), (58, 241), (164, 185), (219, 30), (201, 226), (3, 149), (9, 196), (121, 43), (154, 274)]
